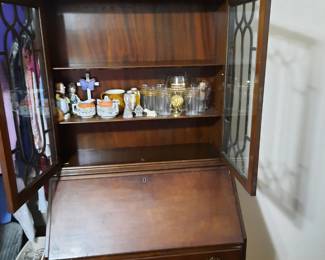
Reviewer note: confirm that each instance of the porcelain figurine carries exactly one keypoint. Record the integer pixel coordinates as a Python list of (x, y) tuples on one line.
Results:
[(150, 113), (138, 111), (107, 108), (74, 99), (62, 102), (129, 100), (88, 84)]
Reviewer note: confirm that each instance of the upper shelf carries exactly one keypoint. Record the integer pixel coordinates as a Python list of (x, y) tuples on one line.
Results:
[(211, 113), (155, 64)]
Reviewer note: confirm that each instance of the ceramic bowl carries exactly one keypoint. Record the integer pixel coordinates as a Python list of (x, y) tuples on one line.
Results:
[(86, 109)]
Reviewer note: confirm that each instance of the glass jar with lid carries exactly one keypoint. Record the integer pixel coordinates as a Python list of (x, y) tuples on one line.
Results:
[(177, 86)]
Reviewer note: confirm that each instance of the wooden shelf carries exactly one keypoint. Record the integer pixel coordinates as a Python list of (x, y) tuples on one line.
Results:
[(156, 64), (211, 113), (131, 155)]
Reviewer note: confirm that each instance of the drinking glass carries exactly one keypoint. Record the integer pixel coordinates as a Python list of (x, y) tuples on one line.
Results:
[(192, 101), (163, 106)]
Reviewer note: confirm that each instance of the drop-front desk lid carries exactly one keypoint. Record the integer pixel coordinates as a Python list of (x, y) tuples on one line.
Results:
[(134, 213)]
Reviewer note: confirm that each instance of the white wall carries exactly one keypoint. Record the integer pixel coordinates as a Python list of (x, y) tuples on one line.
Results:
[(286, 221)]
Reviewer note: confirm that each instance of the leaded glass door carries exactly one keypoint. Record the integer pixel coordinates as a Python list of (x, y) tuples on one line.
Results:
[(245, 73), (27, 144)]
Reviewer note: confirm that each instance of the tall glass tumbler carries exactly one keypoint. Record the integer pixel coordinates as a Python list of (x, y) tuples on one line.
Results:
[(143, 95), (151, 98), (163, 104), (192, 101)]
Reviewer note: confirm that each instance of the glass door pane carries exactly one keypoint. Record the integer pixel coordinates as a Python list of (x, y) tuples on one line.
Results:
[(25, 95), (246, 58)]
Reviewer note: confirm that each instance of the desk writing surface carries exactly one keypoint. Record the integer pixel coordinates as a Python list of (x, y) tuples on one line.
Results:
[(142, 213)]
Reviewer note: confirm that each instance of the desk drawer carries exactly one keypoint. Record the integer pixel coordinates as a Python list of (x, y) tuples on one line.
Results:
[(222, 255)]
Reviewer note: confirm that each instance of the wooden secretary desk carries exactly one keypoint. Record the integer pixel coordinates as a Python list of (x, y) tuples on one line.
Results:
[(144, 188)]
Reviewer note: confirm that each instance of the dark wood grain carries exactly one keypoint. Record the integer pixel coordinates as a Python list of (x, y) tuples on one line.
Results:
[(143, 188), (146, 213), (222, 32), (138, 134), (152, 64), (96, 171), (162, 153), (261, 56), (230, 254), (133, 32)]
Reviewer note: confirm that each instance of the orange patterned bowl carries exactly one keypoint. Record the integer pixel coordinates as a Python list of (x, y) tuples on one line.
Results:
[(86, 109), (86, 105), (105, 103), (107, 108)]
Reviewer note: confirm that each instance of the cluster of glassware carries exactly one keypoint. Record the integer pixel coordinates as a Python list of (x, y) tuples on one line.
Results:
[(178, 95)]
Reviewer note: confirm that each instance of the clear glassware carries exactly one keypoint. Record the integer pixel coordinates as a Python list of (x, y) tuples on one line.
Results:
[(144, 95), (192, 101), (163, 101), (151, 98)]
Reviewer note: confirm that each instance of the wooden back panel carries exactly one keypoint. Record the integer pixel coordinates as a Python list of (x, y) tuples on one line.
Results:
[(119, 32), (139, 134)]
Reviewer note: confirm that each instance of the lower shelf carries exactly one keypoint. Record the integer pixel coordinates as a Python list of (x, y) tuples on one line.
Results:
[(135, 155), (211, 113)]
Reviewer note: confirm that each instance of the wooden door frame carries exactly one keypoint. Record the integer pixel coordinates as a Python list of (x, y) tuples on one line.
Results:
[(250, 182), (16, 199)]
